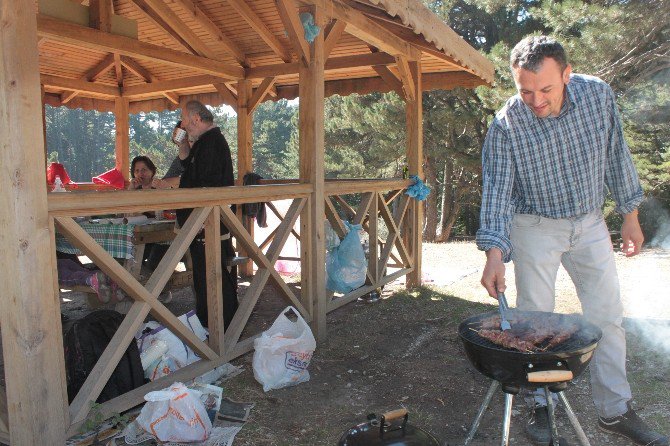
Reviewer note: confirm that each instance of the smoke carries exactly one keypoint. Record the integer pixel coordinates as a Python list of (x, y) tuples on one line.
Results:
[(655, 220), (647, 300)]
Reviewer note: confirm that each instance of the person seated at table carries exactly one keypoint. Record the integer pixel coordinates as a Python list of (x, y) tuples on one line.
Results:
[(142, 172), (71, 273)]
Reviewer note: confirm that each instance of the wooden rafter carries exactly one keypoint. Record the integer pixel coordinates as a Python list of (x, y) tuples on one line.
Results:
[(89, 38), (260, 93), (199, 16), (100, 69), (160, 8), (68, 96), (368, 30), (159, 23), (390, 78), (257, 24), (333, 33), (296, 34), (141, 72)]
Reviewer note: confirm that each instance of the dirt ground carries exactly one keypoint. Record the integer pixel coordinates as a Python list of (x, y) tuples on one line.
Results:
[(404, 351)]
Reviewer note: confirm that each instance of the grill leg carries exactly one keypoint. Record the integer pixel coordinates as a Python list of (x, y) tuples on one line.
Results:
[(487, 400), (552, 417), (583, 440), (507, 419)]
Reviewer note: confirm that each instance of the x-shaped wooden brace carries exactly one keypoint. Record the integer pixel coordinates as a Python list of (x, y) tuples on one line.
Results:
[(265, 264), (146, 300)]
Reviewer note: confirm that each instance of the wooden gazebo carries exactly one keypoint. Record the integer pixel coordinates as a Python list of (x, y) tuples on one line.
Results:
[(128, 56)]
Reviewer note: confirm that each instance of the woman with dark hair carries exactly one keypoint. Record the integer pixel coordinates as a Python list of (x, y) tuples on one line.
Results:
[(142, 172)]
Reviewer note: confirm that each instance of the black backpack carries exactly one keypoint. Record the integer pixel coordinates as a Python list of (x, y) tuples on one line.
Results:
[(84, 343)]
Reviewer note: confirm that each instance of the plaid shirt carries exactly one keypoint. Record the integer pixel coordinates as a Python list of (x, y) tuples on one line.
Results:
[(555, 167)]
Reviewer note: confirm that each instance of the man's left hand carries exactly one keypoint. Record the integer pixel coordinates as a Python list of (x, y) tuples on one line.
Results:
[(631, 233)]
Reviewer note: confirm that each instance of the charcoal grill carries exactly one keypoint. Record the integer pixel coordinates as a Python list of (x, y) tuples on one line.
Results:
[(511, 369)]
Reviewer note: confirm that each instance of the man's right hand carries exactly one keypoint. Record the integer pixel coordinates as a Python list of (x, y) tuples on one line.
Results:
[(493, 277)]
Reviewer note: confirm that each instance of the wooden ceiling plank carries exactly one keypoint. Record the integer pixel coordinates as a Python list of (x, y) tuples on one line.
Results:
[(160, 8), (160, 24), (100, 15), (257, 24), (90, 38), (333, 34), (406, 78), (100, 69), (259, 93), (368, 30), (224, 91), (288, 13), (199, 16), (78, 84)]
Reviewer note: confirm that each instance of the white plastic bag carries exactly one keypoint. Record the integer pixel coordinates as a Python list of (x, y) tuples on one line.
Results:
[(175, 414), (282, 352)]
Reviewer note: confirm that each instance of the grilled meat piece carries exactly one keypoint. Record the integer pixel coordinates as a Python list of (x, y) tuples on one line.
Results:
[(529, 333)]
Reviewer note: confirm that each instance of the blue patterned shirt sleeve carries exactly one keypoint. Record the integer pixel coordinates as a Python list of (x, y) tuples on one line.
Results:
[(621, 176), (498, 181)]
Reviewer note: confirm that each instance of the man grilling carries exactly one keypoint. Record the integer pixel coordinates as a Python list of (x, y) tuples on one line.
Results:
[(548, 155), (207, 163)]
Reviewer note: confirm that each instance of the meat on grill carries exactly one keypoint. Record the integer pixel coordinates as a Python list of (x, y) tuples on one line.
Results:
[(529, 333)]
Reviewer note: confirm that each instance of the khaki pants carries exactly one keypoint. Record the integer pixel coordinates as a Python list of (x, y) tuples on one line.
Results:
[(582, 245)]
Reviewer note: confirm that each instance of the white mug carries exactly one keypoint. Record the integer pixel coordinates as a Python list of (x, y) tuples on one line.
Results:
[(179, 135)]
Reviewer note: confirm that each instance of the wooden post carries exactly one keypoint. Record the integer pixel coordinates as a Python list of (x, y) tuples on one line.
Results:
[(414, 114), (30, 318), (122, 148), (245, 120), (313, 256), (214, 279)]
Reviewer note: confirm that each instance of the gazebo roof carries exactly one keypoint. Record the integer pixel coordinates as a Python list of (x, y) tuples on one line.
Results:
[(159, 51)]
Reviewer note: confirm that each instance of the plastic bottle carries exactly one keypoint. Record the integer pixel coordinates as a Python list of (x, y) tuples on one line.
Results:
[(58, 185), (157, 349)]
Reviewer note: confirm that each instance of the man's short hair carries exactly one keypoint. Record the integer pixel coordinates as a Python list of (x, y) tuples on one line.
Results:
[(530, 52), (198, 108)]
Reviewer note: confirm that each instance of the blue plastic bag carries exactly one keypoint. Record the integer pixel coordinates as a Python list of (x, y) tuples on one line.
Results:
[(346, 264), (418, 190)]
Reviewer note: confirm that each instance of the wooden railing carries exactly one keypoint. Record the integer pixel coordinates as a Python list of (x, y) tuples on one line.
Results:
[(379, 199)]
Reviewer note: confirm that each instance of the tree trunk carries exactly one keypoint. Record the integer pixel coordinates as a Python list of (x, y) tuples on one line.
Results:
[(430, 229)]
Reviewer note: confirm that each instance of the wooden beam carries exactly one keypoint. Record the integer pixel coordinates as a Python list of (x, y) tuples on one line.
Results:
[(414, 233), (366, 29), (406, 78), (141, 72), (122, 141), (78, 84), (100, 15), (171, 85), (32, 341), (168, 16), (257, 24), (333, 34), (118, 70), (100, 69), (199, 16), (89, 38), (68, 96), (214, 280), (296, 33), (229, 98), (245, 122), (312, 153), (159, 23), (335, 63), (259, 93)]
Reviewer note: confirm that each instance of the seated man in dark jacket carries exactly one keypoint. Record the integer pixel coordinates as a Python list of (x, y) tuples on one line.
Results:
[(207, 163)]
